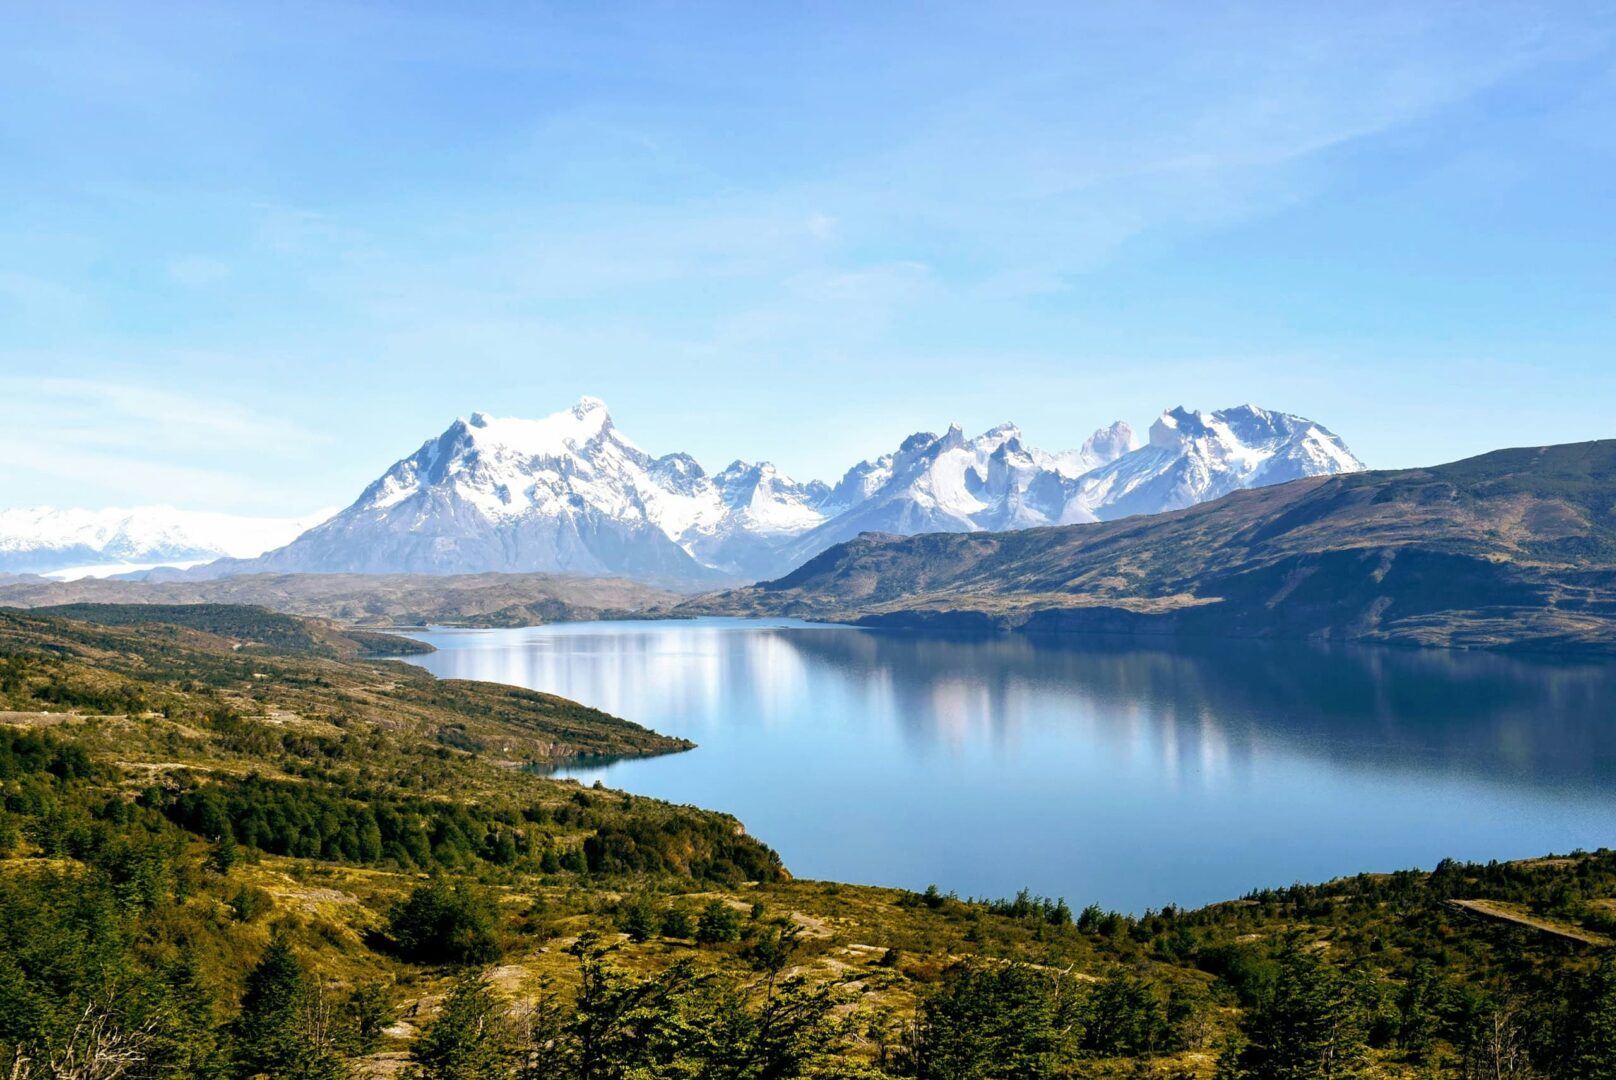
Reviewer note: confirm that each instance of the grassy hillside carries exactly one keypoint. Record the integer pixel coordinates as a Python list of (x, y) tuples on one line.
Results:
[(246, 627), (223, 863), (370, 599), (272, 675), (1512, 549)]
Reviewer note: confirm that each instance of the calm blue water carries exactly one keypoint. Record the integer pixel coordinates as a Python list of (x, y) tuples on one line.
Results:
[(1105, 771)]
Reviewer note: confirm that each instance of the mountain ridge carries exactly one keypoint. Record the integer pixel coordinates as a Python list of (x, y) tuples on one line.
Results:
[(570, 493), (1514, 549)]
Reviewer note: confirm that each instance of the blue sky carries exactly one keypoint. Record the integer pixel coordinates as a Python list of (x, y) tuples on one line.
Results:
[(251, 254)]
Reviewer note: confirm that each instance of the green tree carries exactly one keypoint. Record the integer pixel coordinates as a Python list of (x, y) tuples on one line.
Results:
[(1309, 1027), (637, 917), (623, 1024), (443, 924), (1593, 1055), (366, 1013), (677, 923), (793, 1034), (188, 1043), (470, 1040), (718, 923), (1419, 1003), (280, 1032), (1123, 1016), (224, 854), (986, 1022), (773, 948)]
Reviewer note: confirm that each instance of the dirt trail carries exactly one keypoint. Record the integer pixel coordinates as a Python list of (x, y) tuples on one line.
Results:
[(1499, 912)]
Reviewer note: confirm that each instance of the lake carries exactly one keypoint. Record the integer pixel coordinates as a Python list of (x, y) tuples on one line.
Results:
[(1131, 774)]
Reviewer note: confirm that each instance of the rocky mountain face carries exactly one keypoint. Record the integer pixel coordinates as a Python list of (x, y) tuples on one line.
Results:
[(1193, 457), (570, 493)]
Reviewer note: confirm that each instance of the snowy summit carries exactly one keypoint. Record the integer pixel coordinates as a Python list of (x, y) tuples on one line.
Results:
[(570, 493)]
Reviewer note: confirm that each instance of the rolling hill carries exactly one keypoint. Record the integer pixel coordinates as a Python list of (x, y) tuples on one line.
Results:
[(369, 599)]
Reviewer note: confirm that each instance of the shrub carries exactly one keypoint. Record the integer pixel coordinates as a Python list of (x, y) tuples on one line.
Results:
[(719, 922), (677, 923), (249, 903), (438, 924), (637, 918)]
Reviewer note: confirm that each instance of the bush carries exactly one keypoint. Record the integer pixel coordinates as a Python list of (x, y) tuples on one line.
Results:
[(677, 923), (443, 925), (719, 922), (250, 902), (637, 918)]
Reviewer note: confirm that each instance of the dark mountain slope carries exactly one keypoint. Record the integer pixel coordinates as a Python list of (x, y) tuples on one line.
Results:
[(1515, 548)]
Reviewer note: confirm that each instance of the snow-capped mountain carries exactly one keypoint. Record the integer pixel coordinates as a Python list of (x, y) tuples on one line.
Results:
[(948, 483), (994, 482), (1193, 457), (84, 543), (570, 493)]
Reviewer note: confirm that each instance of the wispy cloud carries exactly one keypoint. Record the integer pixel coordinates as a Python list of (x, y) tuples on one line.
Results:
[(130, 414), (118, 441), (788, 213)]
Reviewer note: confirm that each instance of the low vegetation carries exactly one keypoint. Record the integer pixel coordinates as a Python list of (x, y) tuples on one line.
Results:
[(366, 599), (205, 876)]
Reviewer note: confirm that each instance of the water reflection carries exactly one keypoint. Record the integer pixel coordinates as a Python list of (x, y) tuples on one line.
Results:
[(1132, 773), (1513, 719)]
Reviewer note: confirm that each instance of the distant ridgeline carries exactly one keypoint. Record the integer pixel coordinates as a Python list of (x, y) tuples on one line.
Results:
[(570, 493), (232, 847), (385, 600), (1513, 549)]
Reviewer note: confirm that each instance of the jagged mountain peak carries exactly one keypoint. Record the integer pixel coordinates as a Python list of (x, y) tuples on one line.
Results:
[(1109, 443), (918, 441), (568, 431), (1196, 456), (569, 492)]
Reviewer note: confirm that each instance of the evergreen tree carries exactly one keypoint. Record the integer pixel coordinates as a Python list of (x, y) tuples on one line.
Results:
[(1594, 1025), (273, 1034), (773, 949), (366, 1013), (677, 923), (440, 924), (1123, 1016), (789, 1036), (470, 1040), (224, 854), (1309, 1027), (187, 1042), (638, 918), (718, 923), (624, 1023), (986, 1022)]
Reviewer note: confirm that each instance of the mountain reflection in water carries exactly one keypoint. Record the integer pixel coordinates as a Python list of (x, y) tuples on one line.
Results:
[(1134, 773)]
